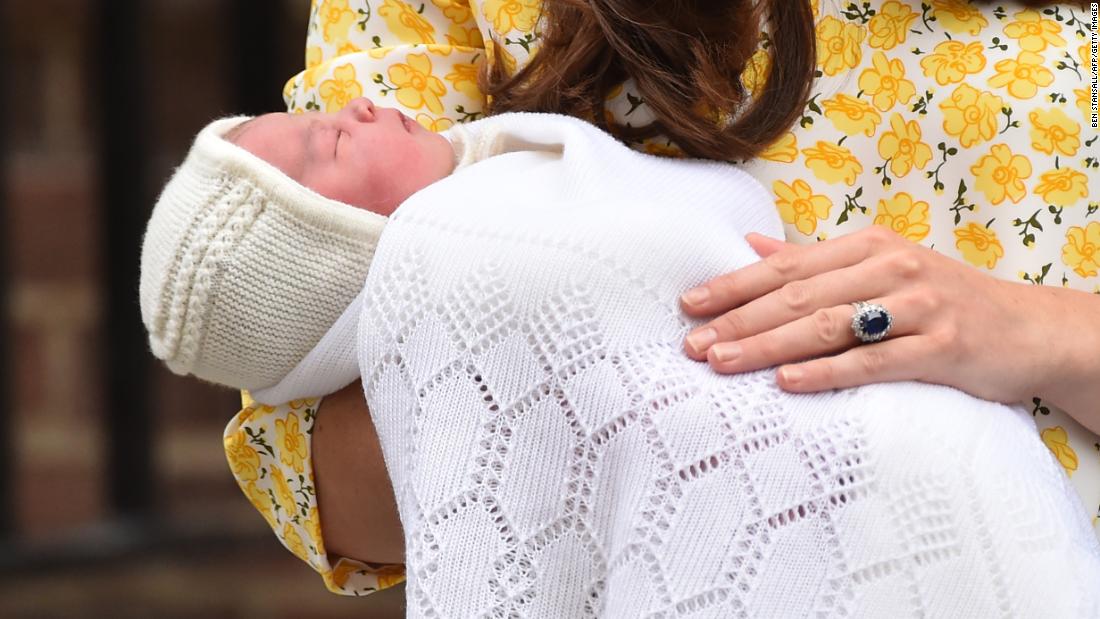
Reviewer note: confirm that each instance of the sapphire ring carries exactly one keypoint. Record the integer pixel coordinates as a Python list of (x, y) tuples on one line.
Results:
[(871, 322)]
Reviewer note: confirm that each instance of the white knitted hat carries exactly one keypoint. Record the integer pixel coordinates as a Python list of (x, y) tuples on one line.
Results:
[(243, 269)]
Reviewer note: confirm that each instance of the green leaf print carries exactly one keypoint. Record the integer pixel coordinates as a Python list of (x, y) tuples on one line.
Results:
[(960, 204), (1026, 226)]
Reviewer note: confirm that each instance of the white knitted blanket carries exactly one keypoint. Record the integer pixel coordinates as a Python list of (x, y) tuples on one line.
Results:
[(555, 454)]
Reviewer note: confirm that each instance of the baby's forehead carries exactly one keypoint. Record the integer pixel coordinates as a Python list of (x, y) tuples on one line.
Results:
[(235, 133), (272, 121), (272, 137)]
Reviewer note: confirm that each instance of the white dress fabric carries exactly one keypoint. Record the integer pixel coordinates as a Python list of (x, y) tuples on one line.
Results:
[(555, 454)]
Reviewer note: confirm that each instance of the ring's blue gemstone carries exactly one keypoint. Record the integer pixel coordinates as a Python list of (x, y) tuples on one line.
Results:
[(874, 322)]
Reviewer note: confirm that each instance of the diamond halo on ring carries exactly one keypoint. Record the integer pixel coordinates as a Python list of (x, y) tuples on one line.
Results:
[(871, 321)]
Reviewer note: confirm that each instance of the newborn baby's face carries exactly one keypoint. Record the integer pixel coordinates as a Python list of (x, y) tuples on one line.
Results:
[(366, 156)]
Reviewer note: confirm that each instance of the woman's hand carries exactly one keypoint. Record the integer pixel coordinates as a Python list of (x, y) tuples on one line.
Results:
[(953, 324)]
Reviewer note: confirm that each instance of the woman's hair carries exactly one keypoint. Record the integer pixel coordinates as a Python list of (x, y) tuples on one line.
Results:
[(685, 57)]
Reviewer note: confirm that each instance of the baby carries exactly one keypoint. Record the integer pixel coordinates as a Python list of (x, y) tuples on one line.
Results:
[(548, 441), (265, 234)]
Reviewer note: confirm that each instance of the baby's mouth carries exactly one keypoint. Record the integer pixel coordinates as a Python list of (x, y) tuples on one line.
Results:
[(405, 122)]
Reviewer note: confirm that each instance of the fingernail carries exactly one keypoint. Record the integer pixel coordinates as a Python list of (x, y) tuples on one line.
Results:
[(696, 296), (792, 375), (727, 351), (701, 340)]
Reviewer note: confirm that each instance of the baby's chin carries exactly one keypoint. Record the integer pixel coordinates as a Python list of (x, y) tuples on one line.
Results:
[(386, 207), (384, 210)]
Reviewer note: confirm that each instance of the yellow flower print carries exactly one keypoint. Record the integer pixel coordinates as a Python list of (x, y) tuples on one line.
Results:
[(902, 145), (1033, 32), (337, 578), (406, 23), (341, 89), (999, 175), (903, 215), (799, 205), (832, 163), (262, 502), (301, 403), (885, 82), (1084, 102), (1082, 249), (457, 12), (416, 86), (890, 26), (971, 115), (347, 48), (291, 442), (1057, 441), (959, 16), (464, 79), (663, 150), (1052, 130), (783, 150), (294, 542), (509, 15), (756, 71), (839, 45), (951, 61), (312, 525), (283, 494), (432, 123), (314, 56), (852, 115), (1023, 76), (389, 575), (243, 459), (253, 409), (464, 37), (979, 245), (336, 20), (1062, 187), (386, 575)]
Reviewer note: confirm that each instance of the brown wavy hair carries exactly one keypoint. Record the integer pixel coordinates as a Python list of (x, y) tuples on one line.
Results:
[(685, 57)]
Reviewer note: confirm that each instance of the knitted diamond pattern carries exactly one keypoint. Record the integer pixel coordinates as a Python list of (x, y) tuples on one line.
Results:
[(555, 454)]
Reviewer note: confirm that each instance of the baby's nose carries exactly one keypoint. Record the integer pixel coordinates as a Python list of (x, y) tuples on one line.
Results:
[(362, 109)]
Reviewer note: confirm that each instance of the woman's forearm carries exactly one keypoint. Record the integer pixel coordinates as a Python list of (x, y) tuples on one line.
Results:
[(354, 494), (1071, 327)]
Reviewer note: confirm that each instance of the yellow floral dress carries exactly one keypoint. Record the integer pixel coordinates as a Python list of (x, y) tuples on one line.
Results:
[(963, 128)]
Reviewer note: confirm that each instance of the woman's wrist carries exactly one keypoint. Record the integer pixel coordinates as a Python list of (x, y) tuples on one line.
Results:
[(1068, 352)]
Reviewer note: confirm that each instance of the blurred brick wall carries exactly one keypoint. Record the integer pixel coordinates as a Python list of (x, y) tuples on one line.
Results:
[(52, 228), (54, 300)]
